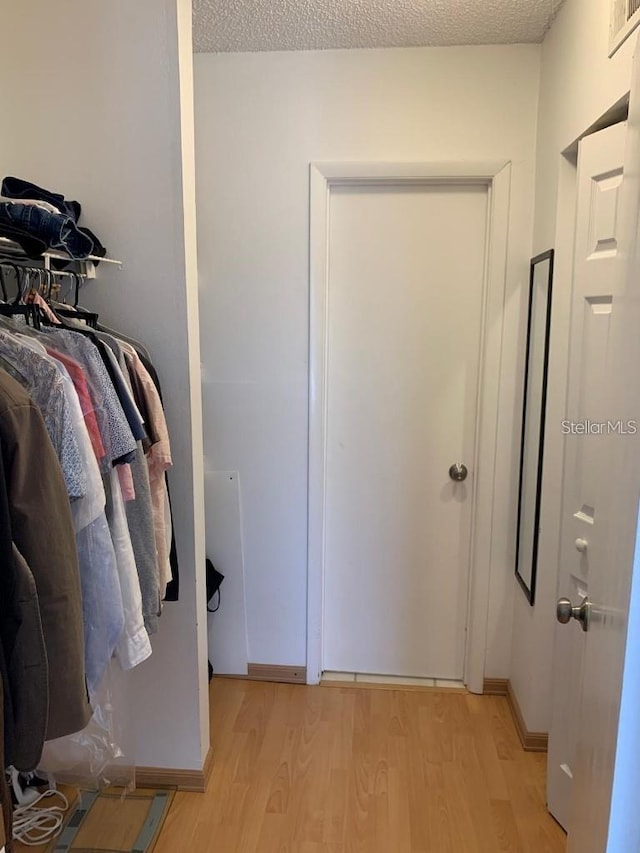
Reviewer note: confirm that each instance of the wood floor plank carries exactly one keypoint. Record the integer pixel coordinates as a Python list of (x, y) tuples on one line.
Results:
[(439, 816), (351, 770), (527, 801), (505, 828)]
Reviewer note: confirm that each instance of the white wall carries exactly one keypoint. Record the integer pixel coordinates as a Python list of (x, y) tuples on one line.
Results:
[(578, 85), (260, 119), (99, 96)]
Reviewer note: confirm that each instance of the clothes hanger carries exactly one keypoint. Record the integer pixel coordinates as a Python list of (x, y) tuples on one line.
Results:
[(29, 312), (89, 317), (61, 313), (89, 330), (16, 272), (60, 298), (23, 282), (5, 262)]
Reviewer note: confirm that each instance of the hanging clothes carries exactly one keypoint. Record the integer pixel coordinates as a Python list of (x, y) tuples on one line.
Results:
[(173, 588), (115, 430), (141, 513), (172, 592), (134, 645), (103, 615), (5, 798), (9, 611), (86, 537), (102, 606), (110, 572), (80, 383), (124, 447), (138, 502), (23, 658), (45, 387), (28, 672), (158, 457), (88, 552), (42, 530)]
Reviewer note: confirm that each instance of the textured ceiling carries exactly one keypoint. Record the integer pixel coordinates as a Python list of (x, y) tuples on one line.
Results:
[(252, 25)]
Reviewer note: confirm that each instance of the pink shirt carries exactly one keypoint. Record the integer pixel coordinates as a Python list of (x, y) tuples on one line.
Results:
[(81, 385), (159, 460)]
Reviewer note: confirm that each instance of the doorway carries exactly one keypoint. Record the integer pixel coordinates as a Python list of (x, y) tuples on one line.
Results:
[(407, 284), (405, 308)]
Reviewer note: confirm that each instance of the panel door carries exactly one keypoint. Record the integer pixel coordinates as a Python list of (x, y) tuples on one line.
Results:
[(406, 274)]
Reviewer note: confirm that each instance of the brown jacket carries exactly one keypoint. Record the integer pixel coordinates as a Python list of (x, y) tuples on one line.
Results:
[(5, 799), (28, 673), (42, 531)]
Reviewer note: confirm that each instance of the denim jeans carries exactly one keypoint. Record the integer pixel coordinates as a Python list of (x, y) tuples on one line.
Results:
[(17, 188), (30, 245), (56, 231)]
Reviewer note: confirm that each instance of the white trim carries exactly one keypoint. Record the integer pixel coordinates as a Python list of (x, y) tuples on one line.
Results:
[(496, 175), (318, 274), (487, 429), (331, 173)]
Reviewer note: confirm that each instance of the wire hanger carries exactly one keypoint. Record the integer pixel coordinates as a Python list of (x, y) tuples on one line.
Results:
[(15, 309), (89, 317)]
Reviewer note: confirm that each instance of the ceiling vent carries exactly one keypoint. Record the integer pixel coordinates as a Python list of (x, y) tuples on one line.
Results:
[(625, 17)]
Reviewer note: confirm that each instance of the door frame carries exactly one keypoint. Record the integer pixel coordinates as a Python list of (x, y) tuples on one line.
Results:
[(496, 176)]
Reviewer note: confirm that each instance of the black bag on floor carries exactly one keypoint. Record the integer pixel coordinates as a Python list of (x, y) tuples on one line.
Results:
[(214, 579)]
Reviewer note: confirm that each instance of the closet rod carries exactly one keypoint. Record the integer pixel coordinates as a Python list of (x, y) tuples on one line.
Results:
[(7, 263)]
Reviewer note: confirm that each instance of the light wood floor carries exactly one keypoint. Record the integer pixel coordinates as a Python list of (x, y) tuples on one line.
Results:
[(358, 770), (340, 770)]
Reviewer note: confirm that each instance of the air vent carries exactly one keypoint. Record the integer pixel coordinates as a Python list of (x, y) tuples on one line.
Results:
[(625, 17)]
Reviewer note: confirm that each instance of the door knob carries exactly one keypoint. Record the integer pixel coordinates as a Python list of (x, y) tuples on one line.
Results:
[(458, 472), (566, 611)]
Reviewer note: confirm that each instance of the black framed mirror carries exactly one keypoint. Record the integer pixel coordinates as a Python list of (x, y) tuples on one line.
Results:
[(533, 421)]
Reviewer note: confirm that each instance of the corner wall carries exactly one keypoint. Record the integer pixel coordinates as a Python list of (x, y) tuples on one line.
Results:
[(578, 85), (260, 119), (99, 96)]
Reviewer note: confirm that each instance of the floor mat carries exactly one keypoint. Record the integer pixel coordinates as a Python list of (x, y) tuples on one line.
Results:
[(107, 822)]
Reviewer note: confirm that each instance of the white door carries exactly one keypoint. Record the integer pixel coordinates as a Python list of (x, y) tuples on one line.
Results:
[(596, 266), (406, 274), (603, 814)]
